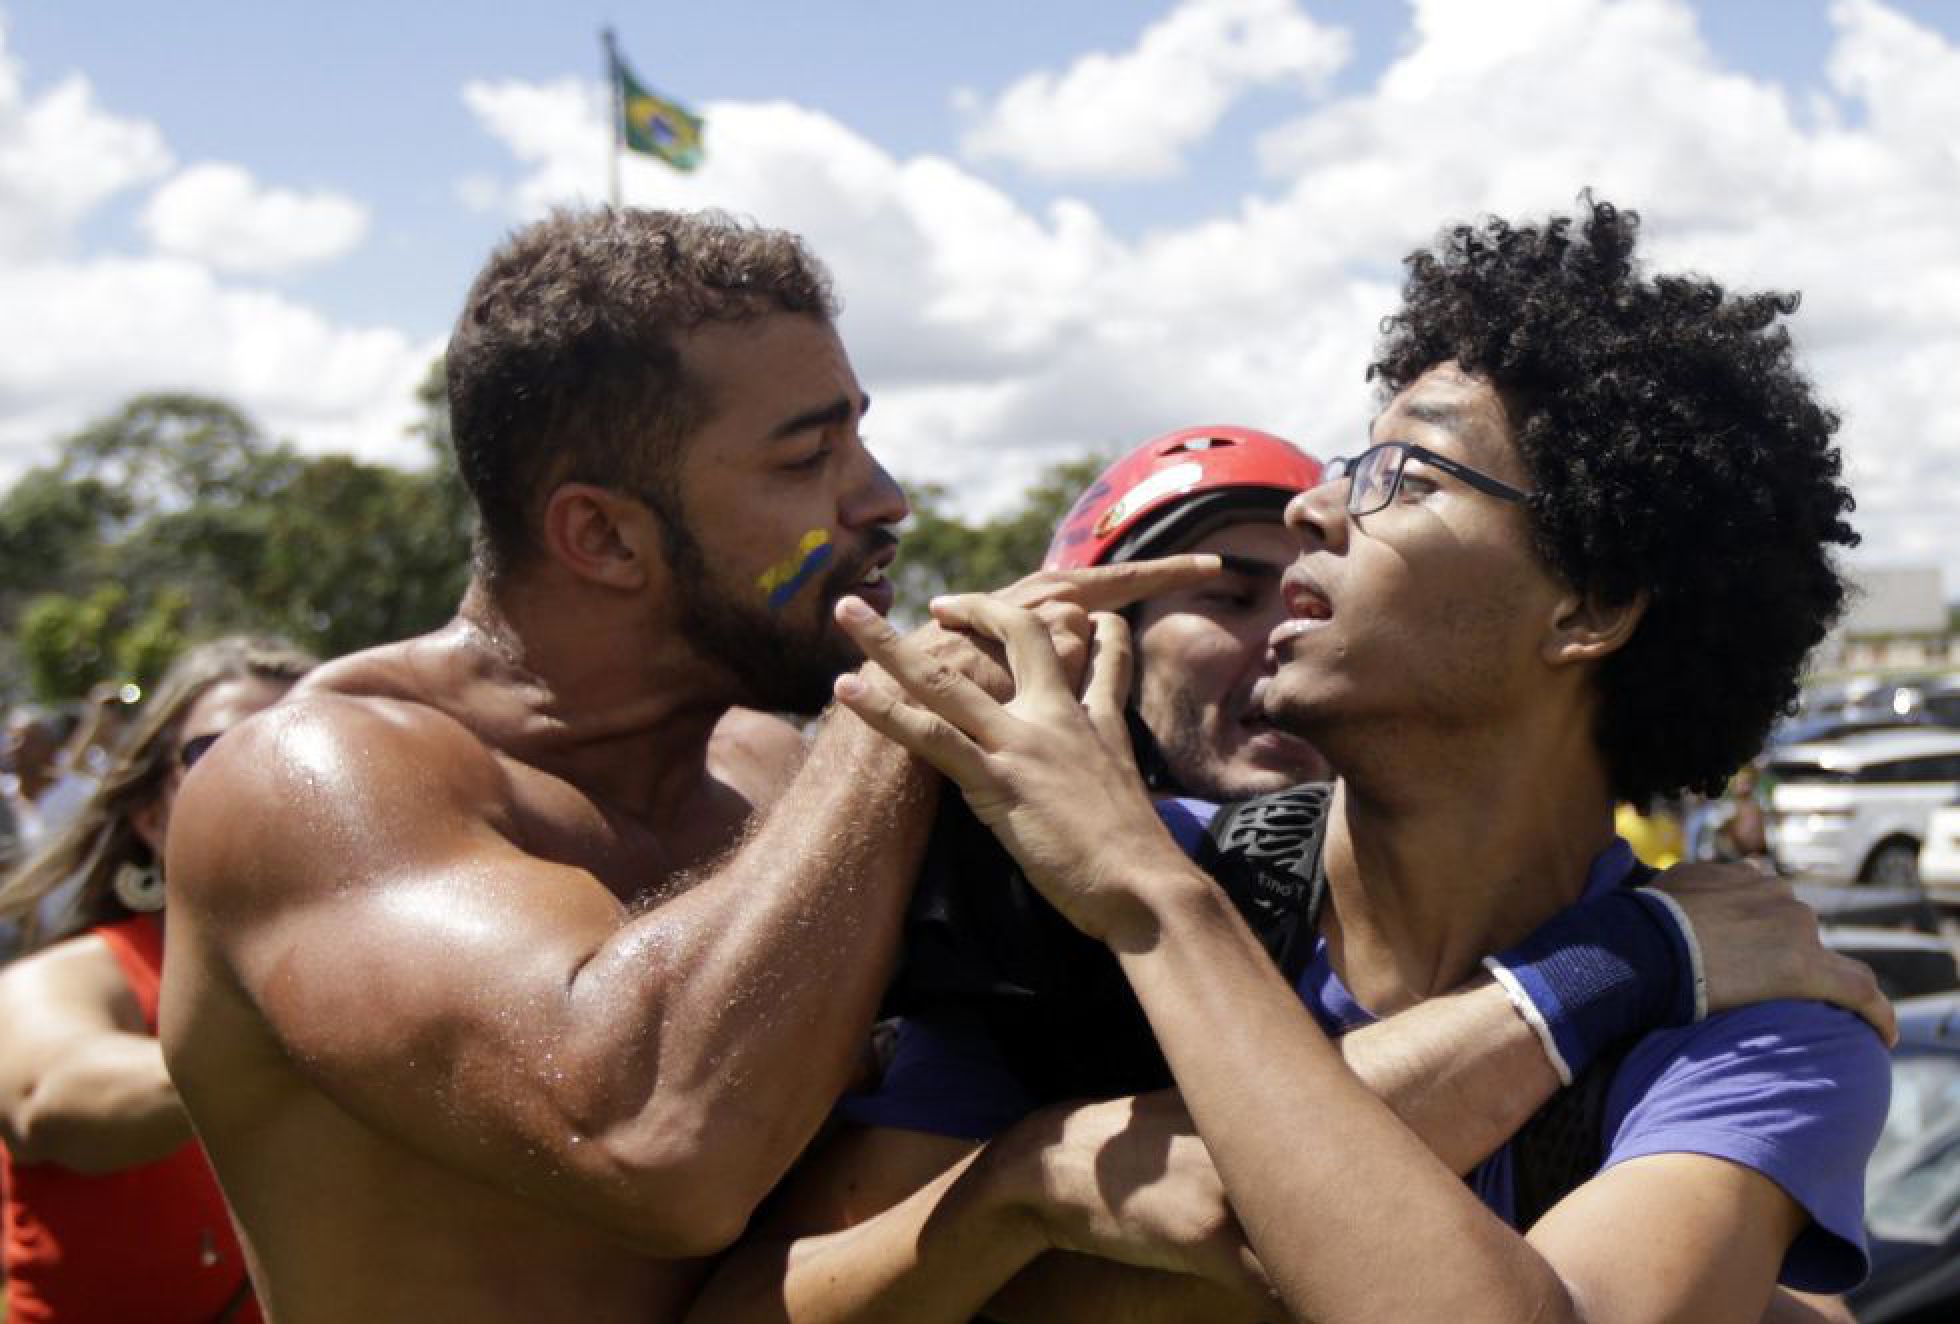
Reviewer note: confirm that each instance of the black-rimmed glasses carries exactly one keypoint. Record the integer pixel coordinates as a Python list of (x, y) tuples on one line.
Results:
[(1375, 475)]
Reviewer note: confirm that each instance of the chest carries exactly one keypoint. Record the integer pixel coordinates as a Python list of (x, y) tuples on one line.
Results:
[(637, 854)]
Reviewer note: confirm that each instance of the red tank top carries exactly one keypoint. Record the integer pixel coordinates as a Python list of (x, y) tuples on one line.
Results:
[(150, 1243)]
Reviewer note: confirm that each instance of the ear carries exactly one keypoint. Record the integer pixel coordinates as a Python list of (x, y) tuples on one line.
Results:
[(1584, 628), (598, 534), (150, 821)]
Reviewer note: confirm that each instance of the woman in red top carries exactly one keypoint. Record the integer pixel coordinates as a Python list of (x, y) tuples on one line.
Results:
[(112, 1213)]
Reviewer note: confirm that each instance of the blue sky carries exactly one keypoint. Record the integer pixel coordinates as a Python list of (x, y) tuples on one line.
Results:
[(282, 204)]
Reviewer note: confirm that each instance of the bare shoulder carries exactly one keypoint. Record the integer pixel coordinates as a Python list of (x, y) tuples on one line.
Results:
[(394, 670), (321, 790), (756, 753)]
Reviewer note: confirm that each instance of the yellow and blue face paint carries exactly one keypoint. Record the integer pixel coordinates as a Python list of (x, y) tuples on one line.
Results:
[(784, 580)]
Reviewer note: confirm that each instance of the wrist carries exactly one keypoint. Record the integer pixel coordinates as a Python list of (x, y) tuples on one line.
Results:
[(1597, 973), (1158, 900)]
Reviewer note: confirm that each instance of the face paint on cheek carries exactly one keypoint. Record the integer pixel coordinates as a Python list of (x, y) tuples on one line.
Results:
[(784, 580)]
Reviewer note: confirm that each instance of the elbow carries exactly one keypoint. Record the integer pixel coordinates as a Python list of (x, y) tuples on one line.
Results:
[(686, 1192), (37, 1132), (670, 1217)]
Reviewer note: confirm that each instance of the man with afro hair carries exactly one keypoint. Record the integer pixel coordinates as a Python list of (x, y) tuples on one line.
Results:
[(1581, 559)]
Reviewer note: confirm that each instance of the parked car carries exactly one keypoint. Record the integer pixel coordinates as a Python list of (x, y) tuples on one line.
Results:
[(1939, 855), (1845, 905), (1912, 1186), (1942, 702), (1807, 730), (1857, 807), (1908, 963)]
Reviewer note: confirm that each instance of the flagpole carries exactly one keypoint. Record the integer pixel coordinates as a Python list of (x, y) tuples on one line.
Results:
[(618, 115)]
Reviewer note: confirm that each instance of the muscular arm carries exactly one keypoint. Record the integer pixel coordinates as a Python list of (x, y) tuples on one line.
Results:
[(899, 1225), (362, 874), (355, 869), (81, 1082)]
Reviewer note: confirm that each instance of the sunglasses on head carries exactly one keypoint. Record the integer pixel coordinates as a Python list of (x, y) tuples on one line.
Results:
[(196, 747)]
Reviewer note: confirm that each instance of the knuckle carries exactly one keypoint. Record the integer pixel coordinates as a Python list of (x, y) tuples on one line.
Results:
[(939, 678)]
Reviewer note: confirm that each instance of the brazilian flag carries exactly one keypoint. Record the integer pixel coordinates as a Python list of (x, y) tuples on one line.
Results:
[(652, 124)]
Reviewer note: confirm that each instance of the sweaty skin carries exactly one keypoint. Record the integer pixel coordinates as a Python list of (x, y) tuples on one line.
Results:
[(494, 995)]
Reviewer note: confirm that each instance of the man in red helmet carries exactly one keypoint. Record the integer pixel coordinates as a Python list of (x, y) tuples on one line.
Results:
[(974, 1176), (1201, 652)]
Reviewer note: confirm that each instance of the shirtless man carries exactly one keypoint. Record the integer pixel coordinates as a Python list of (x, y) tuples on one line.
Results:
[(486, 997)]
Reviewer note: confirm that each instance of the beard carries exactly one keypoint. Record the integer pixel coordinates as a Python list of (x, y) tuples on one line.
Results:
[(1187, 752), (781, 665), (1189, 748)]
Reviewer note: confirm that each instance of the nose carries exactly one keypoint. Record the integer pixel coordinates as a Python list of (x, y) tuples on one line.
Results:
[(1318, 515), (875, 498)]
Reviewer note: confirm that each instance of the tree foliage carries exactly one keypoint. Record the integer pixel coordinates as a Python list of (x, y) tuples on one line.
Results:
[(175, 519), (945, 554)]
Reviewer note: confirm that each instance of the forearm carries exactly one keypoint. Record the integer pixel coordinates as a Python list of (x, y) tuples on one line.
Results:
[(937, 1255), (747, 999), (1289, 1125), (1067, 1288), (1463, 1071), (107, 1104), (1788, 1307)]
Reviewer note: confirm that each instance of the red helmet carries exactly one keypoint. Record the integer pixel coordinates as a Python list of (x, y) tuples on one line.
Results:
[(1172, 490)]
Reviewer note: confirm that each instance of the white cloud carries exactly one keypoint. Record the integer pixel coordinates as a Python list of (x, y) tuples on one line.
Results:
[(217, 214), (1132, 115), (83, 332), (997, 338), (61, 156)]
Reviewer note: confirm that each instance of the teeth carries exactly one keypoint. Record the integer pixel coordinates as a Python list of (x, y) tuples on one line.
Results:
[(876, 575)]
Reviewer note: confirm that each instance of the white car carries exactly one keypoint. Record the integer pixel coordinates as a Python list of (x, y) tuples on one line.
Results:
[(1857, 807), (1939, 858)]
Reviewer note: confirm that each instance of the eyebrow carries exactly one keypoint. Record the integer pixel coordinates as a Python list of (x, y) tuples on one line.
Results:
[(823, 416), (1439, 415)]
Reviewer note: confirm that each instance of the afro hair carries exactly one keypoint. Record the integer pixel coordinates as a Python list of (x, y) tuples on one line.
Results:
[(1676, 451)]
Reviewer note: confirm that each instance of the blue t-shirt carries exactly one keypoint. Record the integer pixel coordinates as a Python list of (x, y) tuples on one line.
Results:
[(1794, 1090)]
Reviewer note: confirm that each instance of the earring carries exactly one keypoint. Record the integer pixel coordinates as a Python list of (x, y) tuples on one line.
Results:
[(140, 888)]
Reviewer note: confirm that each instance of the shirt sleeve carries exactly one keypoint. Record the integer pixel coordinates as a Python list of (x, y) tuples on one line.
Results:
[(1794, 1090), (947, 1077)]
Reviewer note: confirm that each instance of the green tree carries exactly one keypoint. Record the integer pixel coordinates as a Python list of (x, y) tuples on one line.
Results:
[(175, 519), (944, 554)]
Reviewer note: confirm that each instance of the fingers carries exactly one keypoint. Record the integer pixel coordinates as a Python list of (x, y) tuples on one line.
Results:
[(1113, 587), (930, 682), (1031, 653), (883, 707), (1107, 693), (1856, 990)]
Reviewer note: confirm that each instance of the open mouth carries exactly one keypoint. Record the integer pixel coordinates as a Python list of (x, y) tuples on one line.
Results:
[(1304, 600), (1307, 609), (874, 585)]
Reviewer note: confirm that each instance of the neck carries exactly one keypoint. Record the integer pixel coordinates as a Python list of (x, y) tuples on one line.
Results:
[(569, 681), (1443, 849)]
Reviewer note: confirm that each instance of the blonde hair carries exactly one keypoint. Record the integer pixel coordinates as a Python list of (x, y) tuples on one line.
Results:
[(100, 839)]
